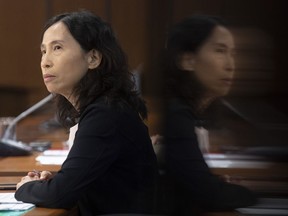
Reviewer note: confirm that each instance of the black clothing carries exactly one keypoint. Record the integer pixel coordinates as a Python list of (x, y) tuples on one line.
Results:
[(110, 168), (192, 186)]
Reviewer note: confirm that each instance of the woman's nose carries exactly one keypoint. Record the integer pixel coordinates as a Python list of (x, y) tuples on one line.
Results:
[(46, 61), (230, 64)]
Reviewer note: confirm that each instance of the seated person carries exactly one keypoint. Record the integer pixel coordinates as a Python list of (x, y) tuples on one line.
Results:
[(198, 68), (111, 167)]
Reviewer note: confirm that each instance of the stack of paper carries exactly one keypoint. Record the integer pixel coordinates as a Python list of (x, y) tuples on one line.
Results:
[(267, 206), (56, 157), (9, 203)]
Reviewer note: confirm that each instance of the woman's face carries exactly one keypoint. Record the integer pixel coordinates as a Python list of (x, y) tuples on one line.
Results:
[(63, 61), (213, 64)]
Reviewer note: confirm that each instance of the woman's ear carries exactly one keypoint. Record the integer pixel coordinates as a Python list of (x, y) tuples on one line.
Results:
[(187, 61), (94, 59)]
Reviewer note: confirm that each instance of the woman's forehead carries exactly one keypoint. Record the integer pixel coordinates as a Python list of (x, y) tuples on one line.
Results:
[(56, 32), (221, 36)]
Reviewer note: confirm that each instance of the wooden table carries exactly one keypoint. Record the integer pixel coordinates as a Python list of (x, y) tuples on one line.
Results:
[(20, 166), (37, 211), (13, 168), (33, 129)]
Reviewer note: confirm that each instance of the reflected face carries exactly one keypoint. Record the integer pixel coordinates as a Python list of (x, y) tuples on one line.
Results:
[(213, 64), (63, 61)]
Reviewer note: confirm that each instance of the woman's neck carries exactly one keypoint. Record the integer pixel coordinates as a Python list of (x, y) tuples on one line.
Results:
[(204, 103), (73, 101)]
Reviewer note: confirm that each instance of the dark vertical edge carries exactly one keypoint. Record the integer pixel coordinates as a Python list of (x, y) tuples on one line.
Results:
[(108, 9), (48, 9)]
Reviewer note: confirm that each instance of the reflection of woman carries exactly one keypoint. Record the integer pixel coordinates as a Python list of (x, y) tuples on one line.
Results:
[(199, 69), (111, 165)]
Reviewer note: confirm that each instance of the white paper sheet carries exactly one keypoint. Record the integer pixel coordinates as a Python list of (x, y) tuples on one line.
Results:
[(8, 203)]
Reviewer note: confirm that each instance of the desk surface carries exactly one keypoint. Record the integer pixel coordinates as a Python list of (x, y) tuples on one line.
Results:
[(20, 165), (37, 211), (31, 129), (13, 168), (47, 212)]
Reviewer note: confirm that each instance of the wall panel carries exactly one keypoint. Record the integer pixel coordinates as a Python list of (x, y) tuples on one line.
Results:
[(20, 30), (96, 6)]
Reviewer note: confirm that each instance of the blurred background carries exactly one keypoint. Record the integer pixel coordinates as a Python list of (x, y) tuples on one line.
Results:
[(258, 99), (253, 118)]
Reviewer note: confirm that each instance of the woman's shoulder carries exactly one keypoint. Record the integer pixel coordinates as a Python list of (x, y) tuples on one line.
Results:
[(112, 110), (180, 113), (110, 118), (176, 106)]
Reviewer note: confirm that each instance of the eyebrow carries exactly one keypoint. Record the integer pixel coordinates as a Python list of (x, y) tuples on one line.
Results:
[(53, 42), (222, 45)]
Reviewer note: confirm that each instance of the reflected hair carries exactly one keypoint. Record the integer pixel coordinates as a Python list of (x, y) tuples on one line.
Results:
[(189, 35)]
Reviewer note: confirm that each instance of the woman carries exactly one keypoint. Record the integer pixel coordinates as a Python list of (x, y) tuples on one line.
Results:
[(198, 69), (111, 165)]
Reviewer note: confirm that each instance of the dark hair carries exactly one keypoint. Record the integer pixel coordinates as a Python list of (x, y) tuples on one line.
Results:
[(186, 36), (111, 79)]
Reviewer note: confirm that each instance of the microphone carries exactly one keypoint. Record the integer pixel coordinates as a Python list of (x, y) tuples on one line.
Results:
[(10, 147)]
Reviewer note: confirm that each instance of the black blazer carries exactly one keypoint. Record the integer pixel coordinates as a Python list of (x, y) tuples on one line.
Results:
[(110, 168), (192, 186)]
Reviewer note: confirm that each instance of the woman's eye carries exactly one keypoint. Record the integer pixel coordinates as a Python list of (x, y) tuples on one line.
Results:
[(43, 52), (220, 50), (57, 47)]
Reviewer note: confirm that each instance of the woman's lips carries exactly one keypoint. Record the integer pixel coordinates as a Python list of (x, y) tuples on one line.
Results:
[(227, 81), (48, 77)]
